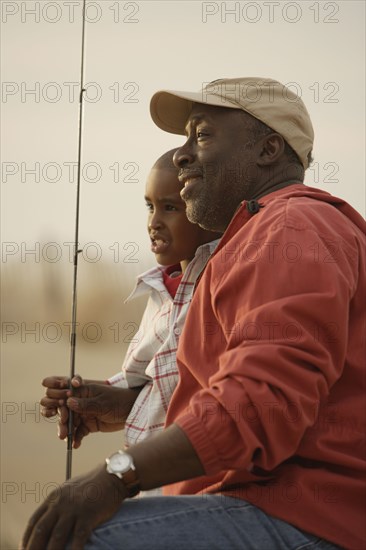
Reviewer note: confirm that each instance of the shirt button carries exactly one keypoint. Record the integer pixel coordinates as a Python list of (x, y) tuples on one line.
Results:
[(177, 331)]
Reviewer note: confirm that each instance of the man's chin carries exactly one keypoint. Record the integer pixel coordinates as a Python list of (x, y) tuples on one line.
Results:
[(200, 216), (194, 213)]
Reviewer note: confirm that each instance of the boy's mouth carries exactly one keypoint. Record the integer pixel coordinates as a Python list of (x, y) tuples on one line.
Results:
[(158, 245)]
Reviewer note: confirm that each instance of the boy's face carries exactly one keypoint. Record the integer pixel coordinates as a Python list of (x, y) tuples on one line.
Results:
[(173, 238)]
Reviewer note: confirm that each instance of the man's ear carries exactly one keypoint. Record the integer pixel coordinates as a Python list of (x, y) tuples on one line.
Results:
[(272, 148)]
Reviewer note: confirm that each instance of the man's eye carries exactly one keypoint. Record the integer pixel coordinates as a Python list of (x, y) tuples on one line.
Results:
[(201, 133)]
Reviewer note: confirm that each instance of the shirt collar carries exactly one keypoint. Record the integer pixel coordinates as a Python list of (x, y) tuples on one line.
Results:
[(153, 277), (150, 279)]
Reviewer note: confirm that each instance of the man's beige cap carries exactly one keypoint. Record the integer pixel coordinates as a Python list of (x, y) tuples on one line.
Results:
[(267, 100)]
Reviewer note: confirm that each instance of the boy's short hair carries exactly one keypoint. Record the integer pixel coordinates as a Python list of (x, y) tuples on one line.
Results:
[(165, 162)]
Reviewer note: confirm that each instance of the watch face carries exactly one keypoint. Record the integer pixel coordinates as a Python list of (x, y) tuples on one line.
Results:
[(120, 462)]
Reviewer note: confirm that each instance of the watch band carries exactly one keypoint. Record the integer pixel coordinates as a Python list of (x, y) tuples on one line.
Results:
[(131, 482)]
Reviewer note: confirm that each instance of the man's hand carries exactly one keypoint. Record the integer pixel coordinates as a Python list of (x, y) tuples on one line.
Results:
[(97, 407), (81, 504), (73, 510)]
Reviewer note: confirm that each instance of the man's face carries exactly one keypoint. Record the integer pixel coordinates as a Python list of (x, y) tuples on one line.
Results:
[(217, 164)]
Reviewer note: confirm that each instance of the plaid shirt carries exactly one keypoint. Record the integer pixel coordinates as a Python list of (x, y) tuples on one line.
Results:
[(151, 357)]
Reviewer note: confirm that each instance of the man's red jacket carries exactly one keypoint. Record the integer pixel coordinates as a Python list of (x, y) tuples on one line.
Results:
[(272, 365)]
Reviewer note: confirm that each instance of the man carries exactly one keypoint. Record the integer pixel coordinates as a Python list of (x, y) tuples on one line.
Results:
[(267, 420)]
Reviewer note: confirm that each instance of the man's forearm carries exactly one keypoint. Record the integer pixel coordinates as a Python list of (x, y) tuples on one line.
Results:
[(166, 458)]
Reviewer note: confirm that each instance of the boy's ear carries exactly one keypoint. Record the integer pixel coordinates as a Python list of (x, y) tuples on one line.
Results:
[(272, 148)]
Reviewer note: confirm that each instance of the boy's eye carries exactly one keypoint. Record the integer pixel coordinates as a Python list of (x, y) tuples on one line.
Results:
[(149, 206), (170, 207)]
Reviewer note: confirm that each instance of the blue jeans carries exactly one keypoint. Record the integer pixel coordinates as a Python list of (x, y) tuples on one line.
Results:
[(198, 523)]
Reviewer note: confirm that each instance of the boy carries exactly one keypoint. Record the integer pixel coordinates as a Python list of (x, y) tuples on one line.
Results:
[(137, 398)]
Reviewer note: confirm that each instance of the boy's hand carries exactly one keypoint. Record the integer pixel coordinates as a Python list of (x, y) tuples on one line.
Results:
[(55, 401), (99, 409), (96, 407), (57, 387)]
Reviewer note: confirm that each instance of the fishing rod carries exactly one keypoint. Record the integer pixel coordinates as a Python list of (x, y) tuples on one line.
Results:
[(76, 252)]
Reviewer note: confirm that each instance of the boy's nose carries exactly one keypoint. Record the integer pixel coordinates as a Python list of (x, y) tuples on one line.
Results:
[(154, 222)]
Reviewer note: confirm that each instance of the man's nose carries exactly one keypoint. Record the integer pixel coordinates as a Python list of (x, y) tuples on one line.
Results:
[(183, 156)]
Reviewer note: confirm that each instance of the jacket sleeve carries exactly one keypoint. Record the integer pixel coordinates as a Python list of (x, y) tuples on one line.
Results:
[(281, 310)]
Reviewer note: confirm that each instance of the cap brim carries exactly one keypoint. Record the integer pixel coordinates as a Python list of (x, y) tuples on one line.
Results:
[(170, 109)]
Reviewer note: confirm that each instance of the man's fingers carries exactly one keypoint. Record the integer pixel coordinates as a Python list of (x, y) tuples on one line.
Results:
[(41, 533), (82, 533), (69, 515), (61, 533), (31, 525)]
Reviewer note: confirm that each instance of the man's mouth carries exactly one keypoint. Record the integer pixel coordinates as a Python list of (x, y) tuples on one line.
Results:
[(189, 181), (189, 178)]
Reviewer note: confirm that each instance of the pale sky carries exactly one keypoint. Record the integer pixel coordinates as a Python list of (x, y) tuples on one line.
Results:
[(132, 50)]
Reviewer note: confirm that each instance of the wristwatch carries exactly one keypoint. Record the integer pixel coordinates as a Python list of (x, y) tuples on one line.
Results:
[(121, 465)]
